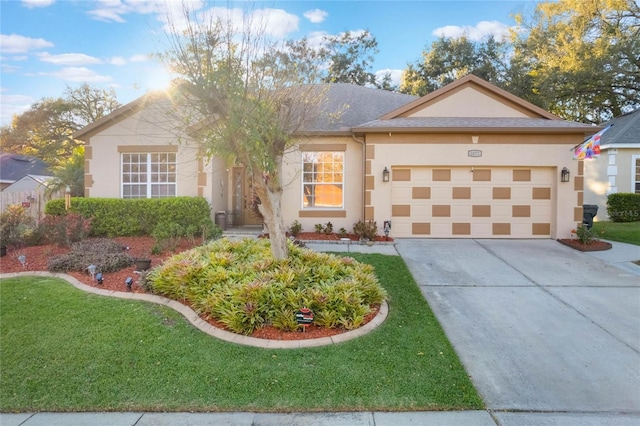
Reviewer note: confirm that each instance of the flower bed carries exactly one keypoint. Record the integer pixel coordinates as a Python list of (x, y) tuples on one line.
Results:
[(594, 245)]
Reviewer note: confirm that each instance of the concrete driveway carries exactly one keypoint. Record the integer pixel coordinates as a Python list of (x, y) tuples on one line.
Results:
[(539, 326)]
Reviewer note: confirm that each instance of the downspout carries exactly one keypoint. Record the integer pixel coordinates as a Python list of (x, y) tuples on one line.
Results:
[(364, 162)]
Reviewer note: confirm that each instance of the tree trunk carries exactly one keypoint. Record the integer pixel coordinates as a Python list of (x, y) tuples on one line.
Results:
[(271, 209)]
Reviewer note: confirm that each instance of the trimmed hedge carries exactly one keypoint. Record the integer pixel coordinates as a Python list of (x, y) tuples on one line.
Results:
[(624, 207), (119, 217)]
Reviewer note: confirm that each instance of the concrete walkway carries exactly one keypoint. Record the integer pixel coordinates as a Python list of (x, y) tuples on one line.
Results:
[(548, 335)]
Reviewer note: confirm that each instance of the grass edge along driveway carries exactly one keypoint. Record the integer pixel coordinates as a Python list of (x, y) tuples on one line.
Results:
[(66, 350)]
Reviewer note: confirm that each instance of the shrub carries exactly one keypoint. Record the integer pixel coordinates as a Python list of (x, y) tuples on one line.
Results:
[(67, 229), (624, 207), (328, 228), (342, 232), (168, 235), (366, 231), (295, 228), (120, 217), (584, 234), (16, 226), (240, 284), (108, 256), (318, 227)]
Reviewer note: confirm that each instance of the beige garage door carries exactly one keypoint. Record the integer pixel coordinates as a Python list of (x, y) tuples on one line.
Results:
[(465, 202)]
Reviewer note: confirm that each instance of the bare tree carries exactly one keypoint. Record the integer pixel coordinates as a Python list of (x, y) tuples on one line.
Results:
[(241, 104)]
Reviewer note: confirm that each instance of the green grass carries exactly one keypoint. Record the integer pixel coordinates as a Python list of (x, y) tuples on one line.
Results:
[(66, 350), (624, 232)]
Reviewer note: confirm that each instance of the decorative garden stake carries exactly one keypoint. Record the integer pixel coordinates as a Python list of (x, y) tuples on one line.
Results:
[(23, 260), (99, 278), (129, 283), (92, 270), (304, 317)]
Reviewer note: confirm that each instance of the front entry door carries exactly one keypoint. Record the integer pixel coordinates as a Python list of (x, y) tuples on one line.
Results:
[(242, 198)]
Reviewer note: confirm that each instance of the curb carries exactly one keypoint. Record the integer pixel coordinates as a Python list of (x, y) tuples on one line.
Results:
[(195, 320)]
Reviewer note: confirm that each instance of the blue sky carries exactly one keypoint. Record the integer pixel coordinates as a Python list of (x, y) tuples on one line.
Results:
[(47, 45)]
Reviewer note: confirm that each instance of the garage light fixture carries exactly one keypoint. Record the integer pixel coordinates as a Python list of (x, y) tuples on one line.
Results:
[(564, 175), (385, 175)]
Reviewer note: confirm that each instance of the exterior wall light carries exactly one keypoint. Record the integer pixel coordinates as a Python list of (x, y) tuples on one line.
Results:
[(385, 175), (564, 175)]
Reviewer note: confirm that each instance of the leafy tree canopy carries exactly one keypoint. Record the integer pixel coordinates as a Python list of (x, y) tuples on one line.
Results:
[(44, 131), (243, 104), (582, 57), (575, 58), (449, 59)]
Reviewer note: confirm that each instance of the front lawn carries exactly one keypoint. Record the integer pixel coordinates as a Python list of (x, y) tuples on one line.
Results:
[(624, 232), (66, 350)]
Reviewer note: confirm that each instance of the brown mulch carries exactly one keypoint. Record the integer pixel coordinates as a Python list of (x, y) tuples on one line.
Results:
[(321, 236), (140, 247), (595, 245)]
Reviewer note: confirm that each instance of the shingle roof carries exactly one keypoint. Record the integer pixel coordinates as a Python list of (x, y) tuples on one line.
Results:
[(355, 105), (625, 130), (457, 124), (14, 167)]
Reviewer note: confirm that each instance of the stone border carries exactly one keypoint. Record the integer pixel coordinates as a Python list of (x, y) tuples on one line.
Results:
[(207, 328)]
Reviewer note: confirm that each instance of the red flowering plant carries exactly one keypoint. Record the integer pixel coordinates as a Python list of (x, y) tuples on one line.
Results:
[(66, 229)]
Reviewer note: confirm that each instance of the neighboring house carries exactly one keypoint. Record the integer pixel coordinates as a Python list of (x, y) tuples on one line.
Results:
[(466, 161), (14, 167), (30, 192), (618, 167)]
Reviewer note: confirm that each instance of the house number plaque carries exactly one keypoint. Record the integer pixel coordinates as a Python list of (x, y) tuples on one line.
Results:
[(474, 153)]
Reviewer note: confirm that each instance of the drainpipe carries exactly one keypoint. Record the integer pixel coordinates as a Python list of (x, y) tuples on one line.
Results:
[(364, 162)]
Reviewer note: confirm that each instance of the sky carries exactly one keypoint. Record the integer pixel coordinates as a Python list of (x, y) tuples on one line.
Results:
[(47, 46)]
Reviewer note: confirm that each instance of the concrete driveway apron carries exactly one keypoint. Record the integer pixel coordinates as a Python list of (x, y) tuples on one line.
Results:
[(539, 326)]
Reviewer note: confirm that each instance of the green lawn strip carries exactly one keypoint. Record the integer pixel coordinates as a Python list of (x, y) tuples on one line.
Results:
[(65, 350), (624, 232)]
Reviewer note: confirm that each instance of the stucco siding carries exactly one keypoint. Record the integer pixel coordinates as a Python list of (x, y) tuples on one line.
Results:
[(611, 172), (292, 203), (450, 152), (148, 130), (468, 102)]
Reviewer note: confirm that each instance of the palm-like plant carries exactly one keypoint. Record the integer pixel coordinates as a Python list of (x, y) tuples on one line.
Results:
[(69, 173)]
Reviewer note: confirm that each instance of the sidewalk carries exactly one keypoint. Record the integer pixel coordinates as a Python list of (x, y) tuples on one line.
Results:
[(424, 418)]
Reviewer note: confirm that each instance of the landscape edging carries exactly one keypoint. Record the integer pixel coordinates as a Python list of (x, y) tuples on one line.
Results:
[(195, 320)]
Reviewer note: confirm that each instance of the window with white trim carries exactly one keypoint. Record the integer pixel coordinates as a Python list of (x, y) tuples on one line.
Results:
[(322, 180), (148, 175)]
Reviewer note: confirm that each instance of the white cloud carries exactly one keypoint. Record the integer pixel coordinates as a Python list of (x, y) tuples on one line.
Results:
[(478, 32), (316, 16), (80, 74), (6, 68), (118, 61), (68, 59), (139, 58), (13, 104), (115, 10), (271, 22), (37, 3), (316, 39), (395, 75), (15, 43), (278, 22)]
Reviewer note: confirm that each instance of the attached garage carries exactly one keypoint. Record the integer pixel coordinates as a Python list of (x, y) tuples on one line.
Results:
[(472, 202), (472, 161)]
